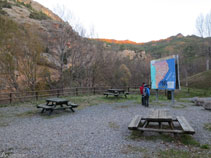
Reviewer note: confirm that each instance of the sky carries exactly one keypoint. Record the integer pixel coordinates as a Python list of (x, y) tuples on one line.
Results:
[(135, 20)]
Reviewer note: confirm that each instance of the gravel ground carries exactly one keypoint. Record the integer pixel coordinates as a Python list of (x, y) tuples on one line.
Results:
[(96, 131)]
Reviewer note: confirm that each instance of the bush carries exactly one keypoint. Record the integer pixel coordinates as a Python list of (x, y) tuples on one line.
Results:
[(26, 5), (5, 4), (38, 15), (2, 12)]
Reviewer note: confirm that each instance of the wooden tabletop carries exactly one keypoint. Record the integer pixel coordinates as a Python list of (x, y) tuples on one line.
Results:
[(56, 100), (116, 90), (159, 115)]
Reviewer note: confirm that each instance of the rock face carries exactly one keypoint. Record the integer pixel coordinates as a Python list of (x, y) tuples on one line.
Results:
[(132, 54), (47, 30), (38, 7)]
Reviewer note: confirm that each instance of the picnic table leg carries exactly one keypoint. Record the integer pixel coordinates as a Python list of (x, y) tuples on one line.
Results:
[(43, 110), (160, 125), (72, 109), (146, 123), (171, 125)]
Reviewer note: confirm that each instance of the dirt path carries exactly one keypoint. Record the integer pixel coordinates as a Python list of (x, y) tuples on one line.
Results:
[(97, 131)]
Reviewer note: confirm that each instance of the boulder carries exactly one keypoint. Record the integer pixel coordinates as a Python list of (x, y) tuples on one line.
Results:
[(207, 105), (193, 100), (199, 102)]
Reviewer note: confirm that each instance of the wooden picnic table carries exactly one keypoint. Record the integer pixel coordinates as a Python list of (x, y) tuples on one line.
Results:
[(161, 116), (116, 92), (56, 104)]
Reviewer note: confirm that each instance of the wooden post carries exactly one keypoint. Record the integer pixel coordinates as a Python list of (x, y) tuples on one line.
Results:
[(36, 94), (172, 97), (169, 97), (76, 91), (94, 90), (10, 98), (57, 93), (128, 89)]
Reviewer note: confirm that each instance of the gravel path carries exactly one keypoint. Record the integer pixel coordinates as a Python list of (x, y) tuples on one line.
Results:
[(96, 131)]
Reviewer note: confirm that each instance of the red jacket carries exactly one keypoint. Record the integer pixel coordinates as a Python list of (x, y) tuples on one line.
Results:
[(141, 89)]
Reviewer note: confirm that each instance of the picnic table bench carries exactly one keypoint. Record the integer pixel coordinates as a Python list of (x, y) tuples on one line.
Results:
[(161, 116), (116, 92), (56, 104)]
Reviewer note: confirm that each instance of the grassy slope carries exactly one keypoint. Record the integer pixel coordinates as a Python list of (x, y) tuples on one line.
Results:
[(200, 80)]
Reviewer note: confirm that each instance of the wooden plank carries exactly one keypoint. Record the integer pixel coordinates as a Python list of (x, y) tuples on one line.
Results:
[(160, 130), (44, 106), (185, 125), (163, 114), (135, 122), (73, 105), (109, 93), (157, 115), (153, 113)]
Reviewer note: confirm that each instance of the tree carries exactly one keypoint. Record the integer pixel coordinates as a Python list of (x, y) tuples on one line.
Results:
[(64, 44), (30, 58), (9, 51), (200, 25), (208, 24), (124, 74), (203, 26), (74, 21)]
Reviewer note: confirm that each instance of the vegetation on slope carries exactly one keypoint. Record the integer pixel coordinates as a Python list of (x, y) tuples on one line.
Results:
[(200, 80), (76, 61), (38, 15)]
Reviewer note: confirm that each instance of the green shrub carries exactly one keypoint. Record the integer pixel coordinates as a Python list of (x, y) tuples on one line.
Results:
[(26, 5), (207, 126), (2, 12), (205, 146), (38, 15), (5, 4)]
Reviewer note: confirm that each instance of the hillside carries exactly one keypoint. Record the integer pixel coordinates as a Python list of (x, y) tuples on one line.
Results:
[(200, 80), (192, 50), (40, 51)]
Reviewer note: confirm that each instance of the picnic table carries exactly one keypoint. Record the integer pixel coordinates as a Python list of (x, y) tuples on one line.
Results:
[(56, 104), (161, 117), (116, 92)]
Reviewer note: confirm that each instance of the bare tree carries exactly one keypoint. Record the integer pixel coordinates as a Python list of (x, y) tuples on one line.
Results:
[(208, 24), (203, 26), (29, 60), (64, 44), (74, 21), (200, 25)]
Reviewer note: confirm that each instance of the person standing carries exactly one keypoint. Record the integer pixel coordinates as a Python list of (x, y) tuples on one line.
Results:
[(142, 94), (146, 93)]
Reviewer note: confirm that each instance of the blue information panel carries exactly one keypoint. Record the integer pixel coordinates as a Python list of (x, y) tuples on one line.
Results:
[(163, 73)]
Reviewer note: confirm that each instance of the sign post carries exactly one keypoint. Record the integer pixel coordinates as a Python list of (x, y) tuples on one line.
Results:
[(172, 97), (165, 75), (156, 95)]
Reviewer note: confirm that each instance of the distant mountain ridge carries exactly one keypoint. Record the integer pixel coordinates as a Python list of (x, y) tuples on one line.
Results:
[(137, 43)]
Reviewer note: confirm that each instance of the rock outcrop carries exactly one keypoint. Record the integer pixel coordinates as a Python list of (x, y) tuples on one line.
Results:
[(38, 7), (205, 102)]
